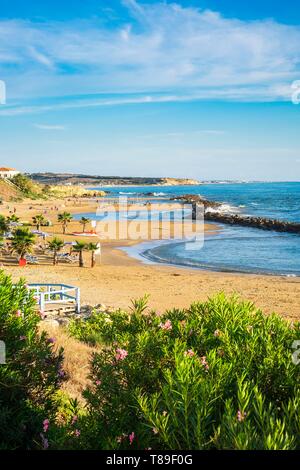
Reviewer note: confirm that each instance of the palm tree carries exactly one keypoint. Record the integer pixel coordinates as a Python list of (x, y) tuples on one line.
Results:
[(92, 247), (13, 218), (4, 226), (64, 218), (84, 221), (22, 242), (79, 248), (55, 245), (39, 220)]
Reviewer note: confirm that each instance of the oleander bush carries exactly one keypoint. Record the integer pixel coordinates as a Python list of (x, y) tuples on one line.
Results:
[(219, 375), (30, 374)]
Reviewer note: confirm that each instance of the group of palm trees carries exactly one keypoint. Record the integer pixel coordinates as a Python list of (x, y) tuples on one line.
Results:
[(65, 218), (56, 245), (23, 240)]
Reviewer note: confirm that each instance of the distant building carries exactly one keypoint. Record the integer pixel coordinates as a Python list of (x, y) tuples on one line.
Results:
[(6, 172)]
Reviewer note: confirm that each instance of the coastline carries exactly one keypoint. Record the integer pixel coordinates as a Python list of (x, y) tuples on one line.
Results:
[(120, 277)]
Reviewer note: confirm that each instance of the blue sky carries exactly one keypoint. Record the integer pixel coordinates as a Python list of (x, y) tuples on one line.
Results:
[(198, 88)]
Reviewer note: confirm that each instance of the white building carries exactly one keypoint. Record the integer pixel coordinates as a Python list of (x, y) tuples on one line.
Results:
[(6, 172)]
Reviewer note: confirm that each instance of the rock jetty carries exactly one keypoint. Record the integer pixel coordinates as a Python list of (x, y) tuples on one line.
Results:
[(216, 215)]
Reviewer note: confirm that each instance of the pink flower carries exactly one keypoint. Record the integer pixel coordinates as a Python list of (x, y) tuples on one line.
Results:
[(77, 432), (121, 354), (241, 416), (74, 419), (23, 338), (166, 326), (98, 382), (51, 340), (217, 333), (18, 313), (204, 362), (189, 353), (155, 431), (45, 425), (131, 437)]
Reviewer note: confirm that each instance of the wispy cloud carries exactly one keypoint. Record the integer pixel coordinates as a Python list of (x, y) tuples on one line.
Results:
[(228, 94), (212, 132), (41, 58), (187, 53), (49, 127)]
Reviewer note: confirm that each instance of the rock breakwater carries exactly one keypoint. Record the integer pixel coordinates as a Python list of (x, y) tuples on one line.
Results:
[(213, 212)]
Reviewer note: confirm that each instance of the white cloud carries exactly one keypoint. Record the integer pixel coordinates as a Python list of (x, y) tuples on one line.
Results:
[(185, 52), (40, 57)]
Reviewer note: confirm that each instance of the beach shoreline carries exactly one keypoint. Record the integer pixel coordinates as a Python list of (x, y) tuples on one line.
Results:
[(120, 278)]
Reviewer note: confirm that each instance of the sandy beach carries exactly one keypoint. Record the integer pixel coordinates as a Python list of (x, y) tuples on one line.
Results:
[(120, 278)]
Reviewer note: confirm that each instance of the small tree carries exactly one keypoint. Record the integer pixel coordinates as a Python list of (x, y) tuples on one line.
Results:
[(39, 220), (55, 245), (79, 248), (64, 218), (22, 242), (84, 221), (93, 247), (32, 372), (3, 225), (25, 184), (13, 218)]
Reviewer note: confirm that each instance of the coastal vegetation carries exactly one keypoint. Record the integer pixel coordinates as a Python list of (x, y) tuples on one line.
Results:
[(64, 219), (92, 248), (80, 247), (4, 225), (22, 242), (27, 187), (16, 237), (55, 246), (39, 220), (13, 219), (30, 371), (218, 375), (22, 186), (84, 221), (9, 192)]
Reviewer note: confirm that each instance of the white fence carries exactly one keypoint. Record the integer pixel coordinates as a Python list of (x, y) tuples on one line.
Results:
[(56, 294)]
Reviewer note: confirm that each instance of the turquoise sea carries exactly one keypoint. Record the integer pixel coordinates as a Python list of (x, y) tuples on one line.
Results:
[(234, 249)]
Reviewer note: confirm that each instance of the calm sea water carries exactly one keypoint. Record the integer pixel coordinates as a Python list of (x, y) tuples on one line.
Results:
[(236, 249)]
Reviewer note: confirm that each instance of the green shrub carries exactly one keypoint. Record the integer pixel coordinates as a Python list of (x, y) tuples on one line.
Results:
[(219, 375), (28, 187), (31, 374)]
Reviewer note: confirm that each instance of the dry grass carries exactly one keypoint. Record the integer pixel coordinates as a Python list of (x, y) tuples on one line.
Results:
[(77, 356)]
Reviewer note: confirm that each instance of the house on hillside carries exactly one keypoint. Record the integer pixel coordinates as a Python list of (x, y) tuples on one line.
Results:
[(6, 172)]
